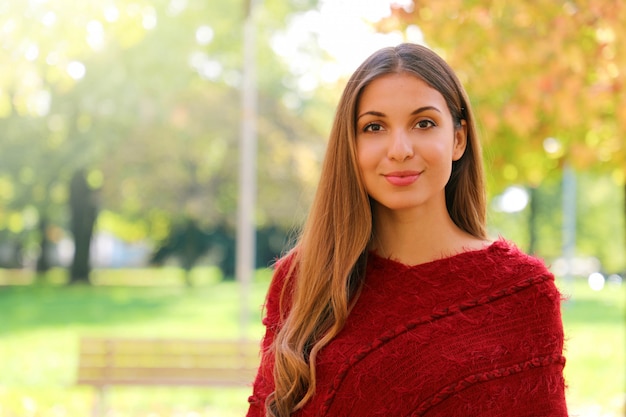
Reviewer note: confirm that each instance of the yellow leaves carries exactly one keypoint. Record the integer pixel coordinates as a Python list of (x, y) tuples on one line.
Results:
[(605, 34), (7, 189), (523, 19), (553, 147), (425, 13), (95, 179), (134, 21), (581, 156), (15, 222), (620, 117), (521, 118), (604, 141), (5, 105), (159, 224), (130, 231), (512, 53), (281, 152), (619, 176), (568, 102), (489, 119), (84, 122), (536, 174), (537, 69), (59, 193), (179, 117), (307, 164), (510, 173), (398, 17)]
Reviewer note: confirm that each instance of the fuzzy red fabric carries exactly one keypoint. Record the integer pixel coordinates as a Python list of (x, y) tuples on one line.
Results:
[(475, 334)]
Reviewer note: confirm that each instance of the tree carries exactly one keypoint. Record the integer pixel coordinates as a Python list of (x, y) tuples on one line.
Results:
[(545, 78), (84, 213), (536, 70), (140, 99)]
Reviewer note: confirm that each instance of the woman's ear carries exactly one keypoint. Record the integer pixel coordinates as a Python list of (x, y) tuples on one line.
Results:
[(460, 141)]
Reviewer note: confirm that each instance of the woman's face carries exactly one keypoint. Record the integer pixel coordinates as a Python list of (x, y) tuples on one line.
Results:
[(406, 142)]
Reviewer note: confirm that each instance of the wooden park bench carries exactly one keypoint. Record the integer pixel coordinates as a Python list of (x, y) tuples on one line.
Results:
[(105, 362)]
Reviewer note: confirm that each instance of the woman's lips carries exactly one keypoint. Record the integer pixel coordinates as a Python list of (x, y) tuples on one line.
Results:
[(402, 178)]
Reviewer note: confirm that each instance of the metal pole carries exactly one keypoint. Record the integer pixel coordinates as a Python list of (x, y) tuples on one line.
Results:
[(569, 222), (246, 229)]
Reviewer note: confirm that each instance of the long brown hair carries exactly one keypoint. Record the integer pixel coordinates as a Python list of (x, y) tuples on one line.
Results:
[(329, 259)]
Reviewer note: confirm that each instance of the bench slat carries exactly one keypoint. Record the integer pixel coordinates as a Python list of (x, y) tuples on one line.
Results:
[(110, 361)]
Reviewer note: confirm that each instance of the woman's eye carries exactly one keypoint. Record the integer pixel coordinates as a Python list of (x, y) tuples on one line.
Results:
[(373, 127), (425, 124)]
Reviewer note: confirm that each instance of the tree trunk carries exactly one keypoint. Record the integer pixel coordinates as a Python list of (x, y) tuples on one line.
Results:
[(83, 217), (43, 260)]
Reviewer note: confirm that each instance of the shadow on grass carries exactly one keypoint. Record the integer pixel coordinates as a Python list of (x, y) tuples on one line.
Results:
[(129, 296), (32, 306)]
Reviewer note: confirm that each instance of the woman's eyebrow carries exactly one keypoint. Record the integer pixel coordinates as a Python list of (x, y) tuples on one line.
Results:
[(371, 113), (414, 112), (425, 108)]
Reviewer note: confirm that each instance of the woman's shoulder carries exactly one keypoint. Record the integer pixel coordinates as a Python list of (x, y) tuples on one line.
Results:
[(512, 271), (500, 266), (510, 259), (284, 268)]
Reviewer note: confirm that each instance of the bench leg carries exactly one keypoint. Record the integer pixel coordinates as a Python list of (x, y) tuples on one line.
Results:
[(99, 403)]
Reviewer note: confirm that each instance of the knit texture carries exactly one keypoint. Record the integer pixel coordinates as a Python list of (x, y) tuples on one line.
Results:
[(474, 334)]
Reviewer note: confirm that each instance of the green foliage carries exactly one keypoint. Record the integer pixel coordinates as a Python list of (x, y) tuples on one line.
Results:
[(599, 221), (144, 95), (155, 118)]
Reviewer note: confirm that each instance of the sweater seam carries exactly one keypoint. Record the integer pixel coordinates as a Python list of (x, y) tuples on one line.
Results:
[(481, 377)]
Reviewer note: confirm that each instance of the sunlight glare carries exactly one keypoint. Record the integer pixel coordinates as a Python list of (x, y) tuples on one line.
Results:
[(76, 70), (111, 13), (9, 26), (512, 200), (596, 281), (553, 147), (52, 58), (38, 103), (176, 7), (32, 52), (95, 35), (149, 18), (204, 35), (49, 19), (344, 31), (206, 67)]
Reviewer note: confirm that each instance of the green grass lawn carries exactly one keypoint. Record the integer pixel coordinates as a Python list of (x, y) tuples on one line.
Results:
[(41, 324), (595, 329)]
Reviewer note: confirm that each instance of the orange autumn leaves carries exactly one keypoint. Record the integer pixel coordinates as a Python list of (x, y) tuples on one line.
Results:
[(535, 70)]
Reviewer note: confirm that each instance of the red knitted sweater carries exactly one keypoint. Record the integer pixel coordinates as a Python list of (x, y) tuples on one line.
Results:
[(475, 334)]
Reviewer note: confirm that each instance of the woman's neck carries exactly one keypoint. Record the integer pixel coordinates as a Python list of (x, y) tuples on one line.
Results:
[(413, 238)]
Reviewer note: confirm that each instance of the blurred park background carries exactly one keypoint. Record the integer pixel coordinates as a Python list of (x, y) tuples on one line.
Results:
[(121, 125)]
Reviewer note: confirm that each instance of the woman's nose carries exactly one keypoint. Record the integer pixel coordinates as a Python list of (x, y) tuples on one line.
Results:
[(400, 146)]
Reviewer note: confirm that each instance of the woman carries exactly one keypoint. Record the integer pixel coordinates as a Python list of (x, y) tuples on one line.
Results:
[(393, 302)]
